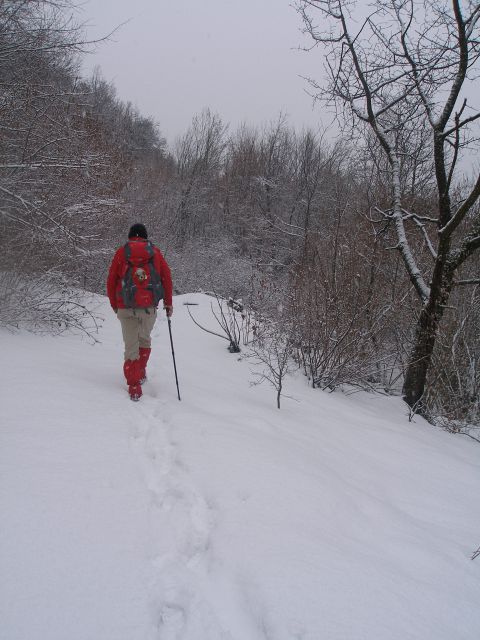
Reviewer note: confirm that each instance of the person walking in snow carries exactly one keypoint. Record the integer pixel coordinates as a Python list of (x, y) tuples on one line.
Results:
[(138, 278)]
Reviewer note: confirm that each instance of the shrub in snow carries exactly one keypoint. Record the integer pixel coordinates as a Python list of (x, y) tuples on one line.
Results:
[(44, 304)]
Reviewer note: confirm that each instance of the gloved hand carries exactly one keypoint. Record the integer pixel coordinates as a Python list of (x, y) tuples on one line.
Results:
[(114, 309), (168, 310)]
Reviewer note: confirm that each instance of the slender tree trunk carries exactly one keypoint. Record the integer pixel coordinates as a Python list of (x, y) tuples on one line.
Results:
[(440, 287), (426, 334), (421, 357)]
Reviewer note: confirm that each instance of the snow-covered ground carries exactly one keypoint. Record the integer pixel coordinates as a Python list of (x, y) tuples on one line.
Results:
[(220, 517)]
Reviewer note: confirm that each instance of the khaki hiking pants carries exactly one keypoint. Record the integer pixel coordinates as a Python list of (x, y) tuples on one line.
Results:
[(137, 325)]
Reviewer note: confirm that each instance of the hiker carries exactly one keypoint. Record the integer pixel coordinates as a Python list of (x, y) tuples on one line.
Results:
[(139, 277)]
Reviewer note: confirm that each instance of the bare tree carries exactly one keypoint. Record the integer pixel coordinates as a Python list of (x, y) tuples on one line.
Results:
[(56, 191), (403, 71), (272, 349), (199, 158)]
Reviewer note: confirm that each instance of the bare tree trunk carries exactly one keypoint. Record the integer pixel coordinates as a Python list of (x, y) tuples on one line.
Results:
[(421, 356), (426, 332)]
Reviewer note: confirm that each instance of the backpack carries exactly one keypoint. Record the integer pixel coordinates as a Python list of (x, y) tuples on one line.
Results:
[(141, 284)]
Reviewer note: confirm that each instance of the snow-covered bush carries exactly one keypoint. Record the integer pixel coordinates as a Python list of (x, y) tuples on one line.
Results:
[(45, 304)]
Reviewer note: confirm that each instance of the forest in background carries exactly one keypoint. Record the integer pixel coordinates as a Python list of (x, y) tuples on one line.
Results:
[(290, 222)]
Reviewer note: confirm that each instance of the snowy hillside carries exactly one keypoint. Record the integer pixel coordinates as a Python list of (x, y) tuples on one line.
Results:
[(220, 517)]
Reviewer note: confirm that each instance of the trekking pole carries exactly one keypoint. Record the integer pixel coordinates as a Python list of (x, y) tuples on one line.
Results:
[(173, 356)]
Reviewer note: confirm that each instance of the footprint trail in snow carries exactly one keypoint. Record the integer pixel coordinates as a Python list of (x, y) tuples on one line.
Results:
[(183, 579)]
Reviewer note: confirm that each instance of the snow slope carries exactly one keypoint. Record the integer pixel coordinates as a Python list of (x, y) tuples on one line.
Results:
[(220, 517)]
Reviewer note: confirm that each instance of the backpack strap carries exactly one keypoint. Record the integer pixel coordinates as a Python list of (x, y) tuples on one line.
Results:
[(150, 251), (128, 252)]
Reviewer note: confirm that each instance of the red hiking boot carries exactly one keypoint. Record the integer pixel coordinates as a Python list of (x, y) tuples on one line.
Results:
[(131, 369), (135, 391), (144, 354)]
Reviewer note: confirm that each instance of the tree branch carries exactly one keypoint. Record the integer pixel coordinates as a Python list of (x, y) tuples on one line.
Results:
[(462, 211)]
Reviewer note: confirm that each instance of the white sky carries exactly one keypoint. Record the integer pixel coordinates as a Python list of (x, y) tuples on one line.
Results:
[(173, 58)]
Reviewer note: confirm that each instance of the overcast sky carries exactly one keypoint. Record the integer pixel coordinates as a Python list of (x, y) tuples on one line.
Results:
[(173, 58)]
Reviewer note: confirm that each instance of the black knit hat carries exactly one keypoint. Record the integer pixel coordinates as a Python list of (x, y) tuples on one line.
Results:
[(138, 231)]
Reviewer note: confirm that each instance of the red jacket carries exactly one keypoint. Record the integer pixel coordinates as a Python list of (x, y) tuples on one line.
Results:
[(119, 267)]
